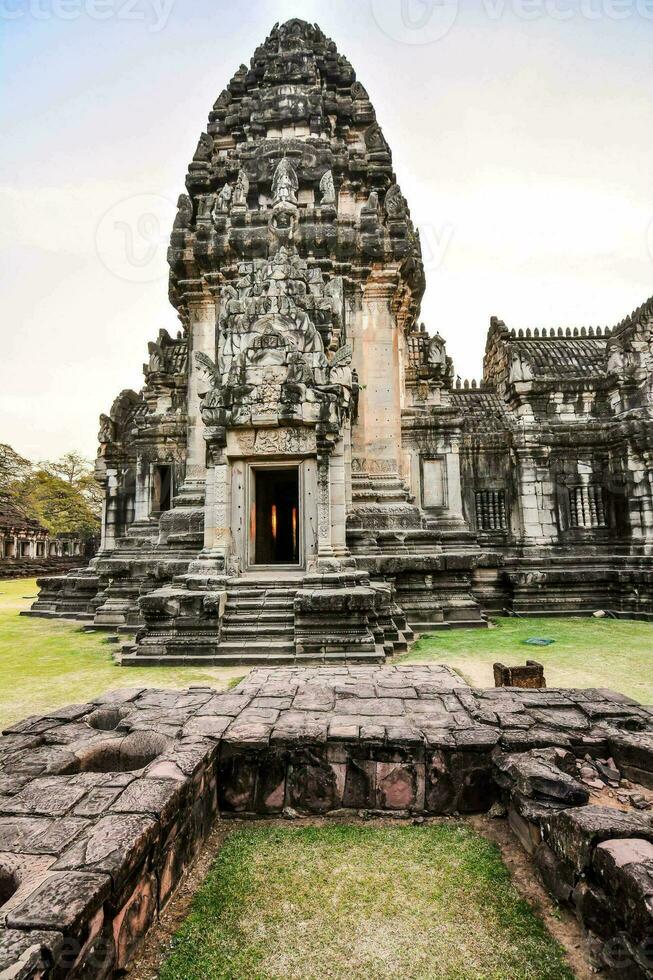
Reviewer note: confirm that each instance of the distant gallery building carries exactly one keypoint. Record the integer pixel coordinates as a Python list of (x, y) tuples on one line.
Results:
[(301, 475)]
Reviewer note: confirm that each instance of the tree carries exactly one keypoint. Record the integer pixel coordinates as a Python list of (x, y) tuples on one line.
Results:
[(13, 469), (77, 471), (58, 505)]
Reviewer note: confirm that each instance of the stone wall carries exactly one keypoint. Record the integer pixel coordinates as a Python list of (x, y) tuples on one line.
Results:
[(32, 567), (103, 805)]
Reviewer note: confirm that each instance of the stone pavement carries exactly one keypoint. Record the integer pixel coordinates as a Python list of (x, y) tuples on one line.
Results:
[(103, 805)]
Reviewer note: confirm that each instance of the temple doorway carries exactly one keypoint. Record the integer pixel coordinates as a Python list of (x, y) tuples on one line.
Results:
[(275, 531)]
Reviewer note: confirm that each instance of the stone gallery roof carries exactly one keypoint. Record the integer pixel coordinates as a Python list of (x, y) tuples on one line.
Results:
[(555, 357), (11, 519), (481, 409)]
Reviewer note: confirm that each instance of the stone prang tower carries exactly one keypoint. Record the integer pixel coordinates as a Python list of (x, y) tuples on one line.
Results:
[(300, 478)]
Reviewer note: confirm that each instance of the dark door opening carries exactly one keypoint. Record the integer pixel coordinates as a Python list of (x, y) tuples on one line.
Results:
[(276, 530), (161, 488)]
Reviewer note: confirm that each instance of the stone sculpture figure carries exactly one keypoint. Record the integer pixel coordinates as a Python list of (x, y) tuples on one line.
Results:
[(184, 216), (327, 188), (211, 398), (241, 190), (223, 201), (372, 202), (285, 183), (436, 355), (395, 203), (106, 434), (521, 368)]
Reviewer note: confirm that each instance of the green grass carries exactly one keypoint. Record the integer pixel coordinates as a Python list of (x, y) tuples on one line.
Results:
[(361, 903), (45, 664), (587, 652)]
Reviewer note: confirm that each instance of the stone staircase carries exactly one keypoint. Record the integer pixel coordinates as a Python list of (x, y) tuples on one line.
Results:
[(258, 625), (259, 621)]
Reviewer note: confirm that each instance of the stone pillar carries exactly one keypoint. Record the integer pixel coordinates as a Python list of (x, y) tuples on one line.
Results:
[(109, 513), (201, 338), (324, 547), (338, 500), (217, 530), (377, 434), (536, 499), (142, 499)]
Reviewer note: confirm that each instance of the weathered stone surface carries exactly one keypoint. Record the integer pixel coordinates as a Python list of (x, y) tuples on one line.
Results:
[(113, 845), (573, 834), (64, 902), (26, 955), (625, 871)]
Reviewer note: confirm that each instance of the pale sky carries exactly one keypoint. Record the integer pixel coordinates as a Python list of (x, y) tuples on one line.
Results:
[(522, 134)]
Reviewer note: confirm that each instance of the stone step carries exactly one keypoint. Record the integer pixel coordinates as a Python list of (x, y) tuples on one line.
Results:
[(450, 624), (269, 602), (261, 593), (259, 631), (235, 654), (264, 618)]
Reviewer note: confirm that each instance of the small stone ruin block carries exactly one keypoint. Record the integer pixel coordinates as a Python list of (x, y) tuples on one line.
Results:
[(530, 676)]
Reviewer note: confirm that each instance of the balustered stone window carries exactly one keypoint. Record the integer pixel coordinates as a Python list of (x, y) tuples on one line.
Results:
[(491, 510), (587, 506)]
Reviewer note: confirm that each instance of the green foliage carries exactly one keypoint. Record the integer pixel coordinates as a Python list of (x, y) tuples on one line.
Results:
[(367, 902), (57, 505), (62, 495), (77, 471), (13, 469)]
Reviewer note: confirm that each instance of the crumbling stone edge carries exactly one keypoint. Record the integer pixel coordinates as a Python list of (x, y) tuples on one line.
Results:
[(104, 806)]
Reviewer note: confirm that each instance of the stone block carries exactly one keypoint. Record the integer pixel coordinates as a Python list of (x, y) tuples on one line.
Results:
[(65, 902), (573, 834), (117, 845), (28, 955)]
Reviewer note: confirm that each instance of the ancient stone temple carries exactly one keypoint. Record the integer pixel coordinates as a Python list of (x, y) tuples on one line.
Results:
[(301, 476)]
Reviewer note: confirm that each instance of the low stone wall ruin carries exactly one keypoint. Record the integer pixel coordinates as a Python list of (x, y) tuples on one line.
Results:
[(104, 805)]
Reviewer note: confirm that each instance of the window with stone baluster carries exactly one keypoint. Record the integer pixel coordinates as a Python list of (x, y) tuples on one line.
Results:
[(587, 508), (491, 510)]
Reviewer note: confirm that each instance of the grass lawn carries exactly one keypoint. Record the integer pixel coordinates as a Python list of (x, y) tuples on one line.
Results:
[(361, 903), (47, 663), (586, 653)]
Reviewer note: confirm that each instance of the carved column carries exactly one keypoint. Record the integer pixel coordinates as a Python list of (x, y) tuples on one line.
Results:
[(537, 507), (377, 434), (201, 338), (324, 547), (217, 532), (109, 512), (142, 496), (338, 500)]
